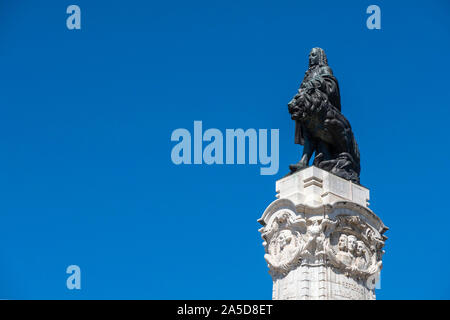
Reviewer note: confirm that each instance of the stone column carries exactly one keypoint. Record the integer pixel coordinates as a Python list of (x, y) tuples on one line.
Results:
[(321, 239)]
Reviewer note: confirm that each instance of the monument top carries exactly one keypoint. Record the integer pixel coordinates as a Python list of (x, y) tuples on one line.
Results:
[(320, 125), (320, 238), (315, 187)]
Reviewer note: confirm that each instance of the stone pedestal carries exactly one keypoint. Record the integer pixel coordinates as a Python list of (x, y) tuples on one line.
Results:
[(321, 239)]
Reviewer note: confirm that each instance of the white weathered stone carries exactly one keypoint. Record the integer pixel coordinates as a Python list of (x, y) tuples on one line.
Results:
[(321, 239), (315, 187)]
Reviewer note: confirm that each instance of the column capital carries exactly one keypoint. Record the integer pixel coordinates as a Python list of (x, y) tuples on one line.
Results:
[(325, 246)]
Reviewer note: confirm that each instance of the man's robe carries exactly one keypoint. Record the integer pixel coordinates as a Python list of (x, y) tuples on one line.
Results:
[(320, 78)]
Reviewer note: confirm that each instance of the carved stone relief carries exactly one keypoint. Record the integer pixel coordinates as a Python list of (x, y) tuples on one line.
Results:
[(346, 243)]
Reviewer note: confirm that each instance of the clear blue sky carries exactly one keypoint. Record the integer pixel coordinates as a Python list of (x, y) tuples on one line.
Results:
[(86, 176)]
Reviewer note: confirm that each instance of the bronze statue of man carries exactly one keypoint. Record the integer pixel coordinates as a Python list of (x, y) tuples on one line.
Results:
[(319, 124)]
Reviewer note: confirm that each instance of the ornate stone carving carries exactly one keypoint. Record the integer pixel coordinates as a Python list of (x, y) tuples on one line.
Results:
[(342, 241), (321, 240), (355, 248), (284, 241), (283, 250)]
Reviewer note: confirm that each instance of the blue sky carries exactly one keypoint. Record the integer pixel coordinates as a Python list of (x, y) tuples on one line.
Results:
[(86, 176)]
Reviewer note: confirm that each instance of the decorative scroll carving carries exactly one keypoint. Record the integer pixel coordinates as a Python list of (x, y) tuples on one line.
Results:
[(345, 242), (284, 242), (283, 250)]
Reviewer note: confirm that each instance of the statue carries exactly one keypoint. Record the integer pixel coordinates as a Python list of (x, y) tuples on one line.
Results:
[(343, 255), (360, 260), (351, 244), (283, 251), (319, 124), (315, 234)]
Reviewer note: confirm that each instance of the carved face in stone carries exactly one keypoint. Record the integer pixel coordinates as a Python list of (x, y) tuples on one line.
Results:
[(315, 228), (284, 239), (342, 244), (360, 248), (351, 244)]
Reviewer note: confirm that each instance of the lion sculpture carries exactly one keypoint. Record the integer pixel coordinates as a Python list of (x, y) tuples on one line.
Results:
[(319, 124)]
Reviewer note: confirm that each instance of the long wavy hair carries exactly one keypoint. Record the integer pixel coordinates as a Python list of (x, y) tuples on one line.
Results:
[(323, 61)]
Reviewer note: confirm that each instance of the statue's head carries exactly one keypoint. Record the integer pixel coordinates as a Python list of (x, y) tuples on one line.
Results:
[(342, 244), (359, 248), (284, 238), (317, 57), (352, 244)]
